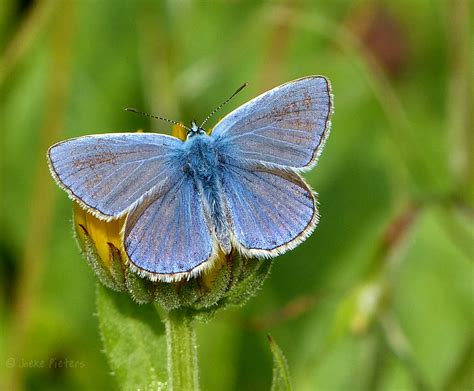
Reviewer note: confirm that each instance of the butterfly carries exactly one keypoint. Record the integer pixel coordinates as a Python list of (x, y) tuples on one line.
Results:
[(184, 202)]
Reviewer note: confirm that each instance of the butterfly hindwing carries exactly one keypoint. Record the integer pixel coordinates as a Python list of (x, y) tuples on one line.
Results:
[(167, 236), (108, 173), (271, 210), (286, 126)]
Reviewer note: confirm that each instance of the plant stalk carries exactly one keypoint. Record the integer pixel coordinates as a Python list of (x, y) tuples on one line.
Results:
[(183, 373)]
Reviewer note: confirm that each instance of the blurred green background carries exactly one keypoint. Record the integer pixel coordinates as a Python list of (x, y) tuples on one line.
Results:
[(380, 297)]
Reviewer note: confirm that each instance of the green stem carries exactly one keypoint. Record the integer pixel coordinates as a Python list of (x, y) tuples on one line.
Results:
[(183, 371)]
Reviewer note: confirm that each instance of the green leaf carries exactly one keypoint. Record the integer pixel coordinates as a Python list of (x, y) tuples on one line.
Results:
[(281, 373), (134, 341)]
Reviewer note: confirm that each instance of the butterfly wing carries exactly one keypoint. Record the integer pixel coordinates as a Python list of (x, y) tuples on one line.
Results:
[(271, 210), (108, 173), (166, 237), (286, 126)]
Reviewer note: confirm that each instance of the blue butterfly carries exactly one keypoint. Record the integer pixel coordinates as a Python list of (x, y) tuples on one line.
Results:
[(238, 187)]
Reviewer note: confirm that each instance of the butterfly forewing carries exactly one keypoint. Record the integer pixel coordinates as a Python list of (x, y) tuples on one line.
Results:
[(109, 173), (286, 126)]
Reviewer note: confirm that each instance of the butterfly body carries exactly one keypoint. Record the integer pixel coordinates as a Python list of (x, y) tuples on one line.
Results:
[(184, 201), (204, 164)]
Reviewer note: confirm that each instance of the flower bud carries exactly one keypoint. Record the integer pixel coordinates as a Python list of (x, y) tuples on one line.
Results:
[(232, 280)]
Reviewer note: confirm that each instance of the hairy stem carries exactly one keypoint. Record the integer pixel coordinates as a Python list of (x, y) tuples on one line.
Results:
[(183, 371)]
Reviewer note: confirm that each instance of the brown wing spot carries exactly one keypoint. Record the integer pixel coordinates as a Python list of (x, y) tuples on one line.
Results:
[(96, 160)]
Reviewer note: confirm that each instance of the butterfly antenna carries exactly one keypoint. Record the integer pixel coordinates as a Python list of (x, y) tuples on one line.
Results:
[(132, 110), (224, 103)]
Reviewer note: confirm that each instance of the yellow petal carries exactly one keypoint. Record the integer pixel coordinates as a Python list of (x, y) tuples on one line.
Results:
[(179, 132), (101, 232)]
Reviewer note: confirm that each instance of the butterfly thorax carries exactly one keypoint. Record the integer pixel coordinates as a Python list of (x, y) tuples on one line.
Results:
[(200, 158), (202, 163)]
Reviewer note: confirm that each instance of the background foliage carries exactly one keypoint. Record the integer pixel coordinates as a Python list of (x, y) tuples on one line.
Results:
[(380, 297)]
